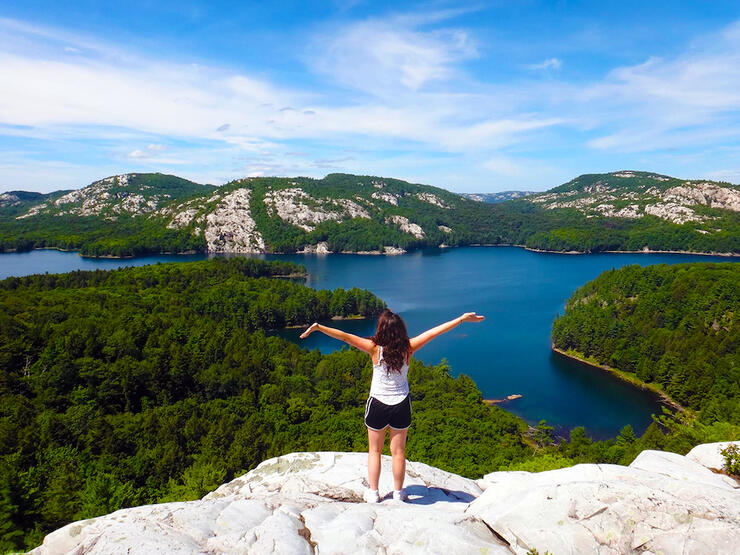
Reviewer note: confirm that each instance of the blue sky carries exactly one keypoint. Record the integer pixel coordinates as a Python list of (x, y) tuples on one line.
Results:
[(479, 97)]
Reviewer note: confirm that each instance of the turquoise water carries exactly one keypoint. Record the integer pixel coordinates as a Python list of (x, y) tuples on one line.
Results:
[(519, 292)]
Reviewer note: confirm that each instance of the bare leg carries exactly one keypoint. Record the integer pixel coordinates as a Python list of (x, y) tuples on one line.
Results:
[(398, 451), (375, 441)]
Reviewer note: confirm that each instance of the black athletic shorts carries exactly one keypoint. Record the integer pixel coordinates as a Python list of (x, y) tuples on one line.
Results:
[(378, 415)]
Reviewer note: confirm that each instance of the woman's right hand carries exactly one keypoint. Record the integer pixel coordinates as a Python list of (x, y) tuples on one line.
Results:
[(471, 317), (312, 328)]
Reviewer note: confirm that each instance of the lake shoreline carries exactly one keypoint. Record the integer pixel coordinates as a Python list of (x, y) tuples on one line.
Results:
[(387, 253), (624, 376), (333, 318), (510, 354)]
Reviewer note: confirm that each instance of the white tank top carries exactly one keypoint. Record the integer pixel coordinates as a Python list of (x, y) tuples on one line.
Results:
[(389, 387)]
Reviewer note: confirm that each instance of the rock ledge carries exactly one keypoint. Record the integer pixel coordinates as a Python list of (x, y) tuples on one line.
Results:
[(312, 503)]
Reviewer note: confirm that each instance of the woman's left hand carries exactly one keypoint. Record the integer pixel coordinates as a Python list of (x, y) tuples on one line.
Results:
[(472, 317), (312, 328)]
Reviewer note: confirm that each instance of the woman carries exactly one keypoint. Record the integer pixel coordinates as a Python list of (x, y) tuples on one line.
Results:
[(389, 405)]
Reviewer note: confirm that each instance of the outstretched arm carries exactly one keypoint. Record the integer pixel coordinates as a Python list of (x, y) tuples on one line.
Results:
[(361, 343), (423, 338)]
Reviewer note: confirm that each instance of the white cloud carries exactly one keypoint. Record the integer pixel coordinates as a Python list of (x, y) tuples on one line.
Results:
[(692, 98), (403, 89), (383, 56), (97, 94), (730, 176), (550, 63), (152, 150)]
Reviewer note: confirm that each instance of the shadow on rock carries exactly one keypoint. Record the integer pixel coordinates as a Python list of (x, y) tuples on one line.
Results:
[(420, 495)]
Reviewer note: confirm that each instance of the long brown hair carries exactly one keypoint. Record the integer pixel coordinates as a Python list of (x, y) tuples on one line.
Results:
[(391, 334)]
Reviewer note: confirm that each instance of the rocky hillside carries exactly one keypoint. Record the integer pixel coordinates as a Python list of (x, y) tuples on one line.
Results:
[(495, 198), (134, 214), (255, 215), (133, 194), (634, 195), (312, 503)]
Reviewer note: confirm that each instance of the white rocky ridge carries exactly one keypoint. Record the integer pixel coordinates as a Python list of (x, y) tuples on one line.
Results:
[(387, 197), (99, 197), (183, 218), (673, 212), (231, 228), (312, 503), (431, 199), (297, 207), (7, 199), (406, 226), (673, 204), (184, 213), (708, 194)]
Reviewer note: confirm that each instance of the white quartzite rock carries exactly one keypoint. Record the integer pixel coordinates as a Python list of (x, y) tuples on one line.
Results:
[(431, 199), (297, 207), (387, 197), (299, 503), (6, 199), (406, 226), (312, 503), (710, 455), (663, 503), (322, 247), (230, 227)]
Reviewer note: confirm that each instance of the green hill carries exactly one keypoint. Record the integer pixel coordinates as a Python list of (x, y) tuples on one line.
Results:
[(133, 214)]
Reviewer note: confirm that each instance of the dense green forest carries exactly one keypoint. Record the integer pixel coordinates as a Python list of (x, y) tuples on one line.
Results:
[(675, 326), (140, 385), (672, 326), (100, 225), (158, 383)]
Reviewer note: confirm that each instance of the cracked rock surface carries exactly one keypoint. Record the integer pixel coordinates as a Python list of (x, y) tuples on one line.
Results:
[(312, 503), (661, 503)]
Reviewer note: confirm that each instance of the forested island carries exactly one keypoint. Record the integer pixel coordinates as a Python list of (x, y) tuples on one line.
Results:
[(157, 383), (135, 214)]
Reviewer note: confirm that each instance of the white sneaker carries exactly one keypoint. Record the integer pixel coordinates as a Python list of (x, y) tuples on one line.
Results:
[(371, 496), (400, 495)]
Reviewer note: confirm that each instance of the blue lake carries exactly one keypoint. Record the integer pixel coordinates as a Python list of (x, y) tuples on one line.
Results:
[(519, 292)]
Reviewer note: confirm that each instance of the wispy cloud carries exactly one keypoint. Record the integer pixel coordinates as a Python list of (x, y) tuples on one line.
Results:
[(383, 56), (550, 63), (662, 103), (397, 89), (164, 98)]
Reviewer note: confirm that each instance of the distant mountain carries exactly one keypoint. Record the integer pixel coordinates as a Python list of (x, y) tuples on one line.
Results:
[(494, 198), (18, 202), (133, 214), (134, 194), (634, 195)]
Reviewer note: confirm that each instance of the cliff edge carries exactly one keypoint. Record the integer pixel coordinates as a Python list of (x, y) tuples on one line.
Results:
[(312, 503)]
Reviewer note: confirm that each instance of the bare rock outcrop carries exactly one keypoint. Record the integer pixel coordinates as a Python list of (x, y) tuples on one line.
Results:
[(676, 204), (407, 226), (107, 196), (231, 228), (297, 207), (312, 503), (661, 503)]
